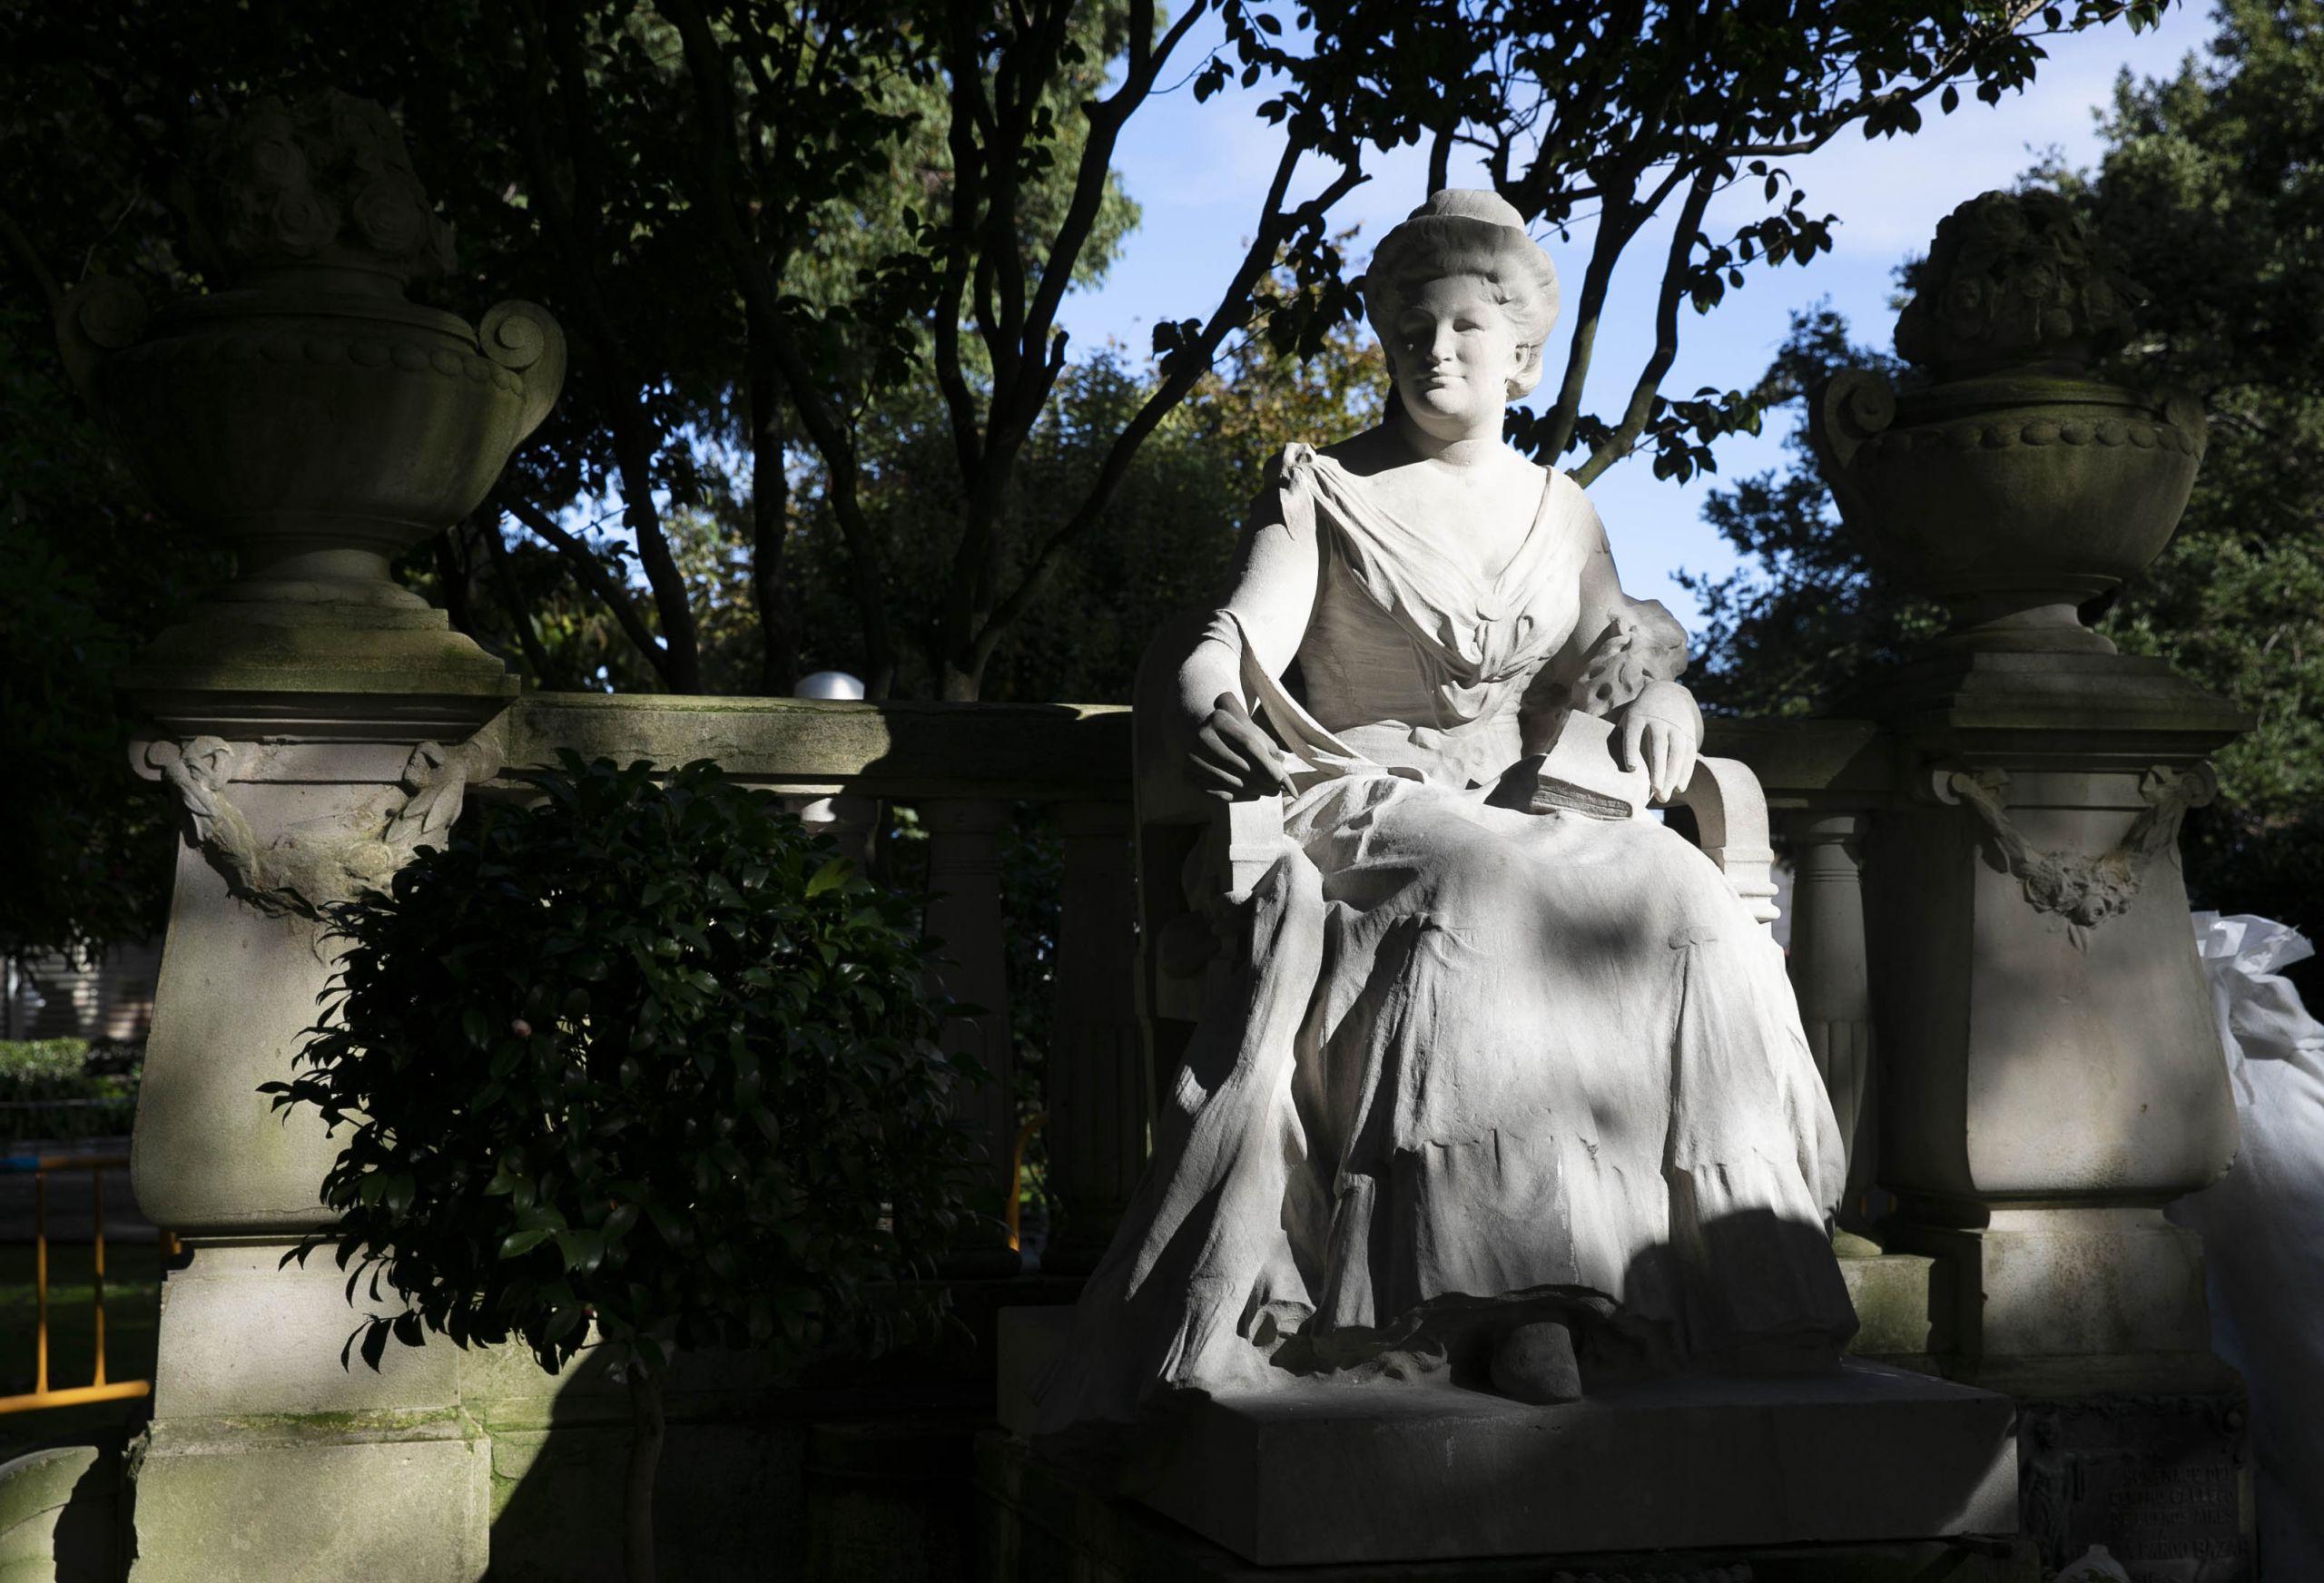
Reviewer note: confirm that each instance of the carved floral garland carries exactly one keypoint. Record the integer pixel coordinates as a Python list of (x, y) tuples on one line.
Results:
[(312, 866), (2083, 891)]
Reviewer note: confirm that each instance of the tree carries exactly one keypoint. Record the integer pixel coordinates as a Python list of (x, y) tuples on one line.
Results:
[(705, 194), (1807, 626), (643, 1062), (2211, 190), (774, 228)]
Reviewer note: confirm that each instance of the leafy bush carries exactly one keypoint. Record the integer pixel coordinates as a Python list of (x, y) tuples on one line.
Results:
[(641, 1054), (57, 1068), (60, 1089)]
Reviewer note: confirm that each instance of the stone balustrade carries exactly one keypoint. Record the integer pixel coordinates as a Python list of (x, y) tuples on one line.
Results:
[(962, 765)]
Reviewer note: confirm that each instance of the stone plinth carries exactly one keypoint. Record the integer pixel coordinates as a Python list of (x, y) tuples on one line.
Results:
[(1319, 1473), (1039, 1519)]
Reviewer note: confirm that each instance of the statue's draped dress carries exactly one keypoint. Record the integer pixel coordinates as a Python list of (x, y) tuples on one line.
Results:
[(1470, 1059)]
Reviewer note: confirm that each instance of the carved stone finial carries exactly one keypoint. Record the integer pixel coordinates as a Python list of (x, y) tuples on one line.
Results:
[(2015, 279), (322, 179)]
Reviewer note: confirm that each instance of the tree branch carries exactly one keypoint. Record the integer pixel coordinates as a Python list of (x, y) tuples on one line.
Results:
[(590, 572), (1196, 357), (520, 619), (1683, 237), (762, 300)]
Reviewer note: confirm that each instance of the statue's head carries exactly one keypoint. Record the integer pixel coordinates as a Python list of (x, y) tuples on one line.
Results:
[(1457, 294)]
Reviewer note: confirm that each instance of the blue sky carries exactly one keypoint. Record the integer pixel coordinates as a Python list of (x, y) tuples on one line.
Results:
[(1198, 172)]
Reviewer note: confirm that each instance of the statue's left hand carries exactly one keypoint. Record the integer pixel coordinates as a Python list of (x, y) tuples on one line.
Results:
[(1662, 731)]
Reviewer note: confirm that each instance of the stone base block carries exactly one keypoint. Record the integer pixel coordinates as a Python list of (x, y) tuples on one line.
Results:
[(1037, 1521), (1315, 1473), (1354, 1473), (2066, 1283), (1902, 1308), (242, 1333), (60, 1510), (385, 1498)]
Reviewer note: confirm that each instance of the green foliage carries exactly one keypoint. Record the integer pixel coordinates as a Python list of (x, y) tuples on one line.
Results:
[(1805, 625), (2211, 191), (770, 229), (1163, 545), (56, 1068), (2212, 188), (646, 1054), (54, 1089), (89, 578)]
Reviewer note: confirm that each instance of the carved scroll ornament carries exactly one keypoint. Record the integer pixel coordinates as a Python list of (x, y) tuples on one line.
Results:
[(2083, 890), (317, 863)]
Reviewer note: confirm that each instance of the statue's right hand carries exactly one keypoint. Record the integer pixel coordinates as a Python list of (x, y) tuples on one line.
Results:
[(1231, 759)]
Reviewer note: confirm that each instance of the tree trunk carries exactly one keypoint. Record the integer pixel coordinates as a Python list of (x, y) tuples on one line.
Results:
[(958, 684), (770, 539), (645, 1457)]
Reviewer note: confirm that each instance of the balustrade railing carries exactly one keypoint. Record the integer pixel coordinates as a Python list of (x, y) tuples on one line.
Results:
[(962, 766)]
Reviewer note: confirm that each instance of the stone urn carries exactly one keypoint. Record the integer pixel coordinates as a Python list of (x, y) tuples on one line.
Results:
[(2001, 479), (308, 415)]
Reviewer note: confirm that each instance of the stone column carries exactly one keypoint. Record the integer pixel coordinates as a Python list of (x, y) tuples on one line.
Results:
[(1830, 974), (316, 724), (964, 912), (1097, 1066), (2050, 1073)]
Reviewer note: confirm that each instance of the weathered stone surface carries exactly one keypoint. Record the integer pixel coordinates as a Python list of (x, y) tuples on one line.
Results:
[(1313, 1473), (2000, 1017), (2161, 1478), (900, 749), (1342, 1474), (309, 416), (385, 1498), (1041, 1520), (243, 1334), (276, 831), (1900, 1304), (2071, 1283), (59, 1515), (2011, 486)]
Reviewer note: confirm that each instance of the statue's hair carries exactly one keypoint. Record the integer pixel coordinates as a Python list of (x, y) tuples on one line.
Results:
[(1480, 236)]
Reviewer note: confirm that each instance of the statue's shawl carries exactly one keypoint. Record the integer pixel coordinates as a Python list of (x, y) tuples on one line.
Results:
[(1477, 640)]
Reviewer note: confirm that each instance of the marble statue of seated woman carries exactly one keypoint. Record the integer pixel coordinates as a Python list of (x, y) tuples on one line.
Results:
[(1496, 1093)]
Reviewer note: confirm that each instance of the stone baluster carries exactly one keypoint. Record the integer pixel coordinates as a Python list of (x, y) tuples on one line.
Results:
[(1830, 974), (964, 912), (849, 820), (1097, 1083)]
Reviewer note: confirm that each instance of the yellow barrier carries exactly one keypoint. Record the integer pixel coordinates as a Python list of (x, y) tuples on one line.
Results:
[(98, 1389), (1017, 1173)]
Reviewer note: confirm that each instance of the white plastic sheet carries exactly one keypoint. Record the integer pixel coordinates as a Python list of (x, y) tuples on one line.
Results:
[(2262, 1226)]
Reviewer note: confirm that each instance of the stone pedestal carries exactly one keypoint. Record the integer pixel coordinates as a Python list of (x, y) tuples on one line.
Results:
[(270, 1454), (1339, 1473), (317, 724), (1313, 1473), (2049, 1074), (1040, 1519), (2051, 1078)]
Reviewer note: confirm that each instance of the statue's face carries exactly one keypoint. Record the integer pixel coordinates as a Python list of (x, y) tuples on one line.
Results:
[(1453, 351)]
